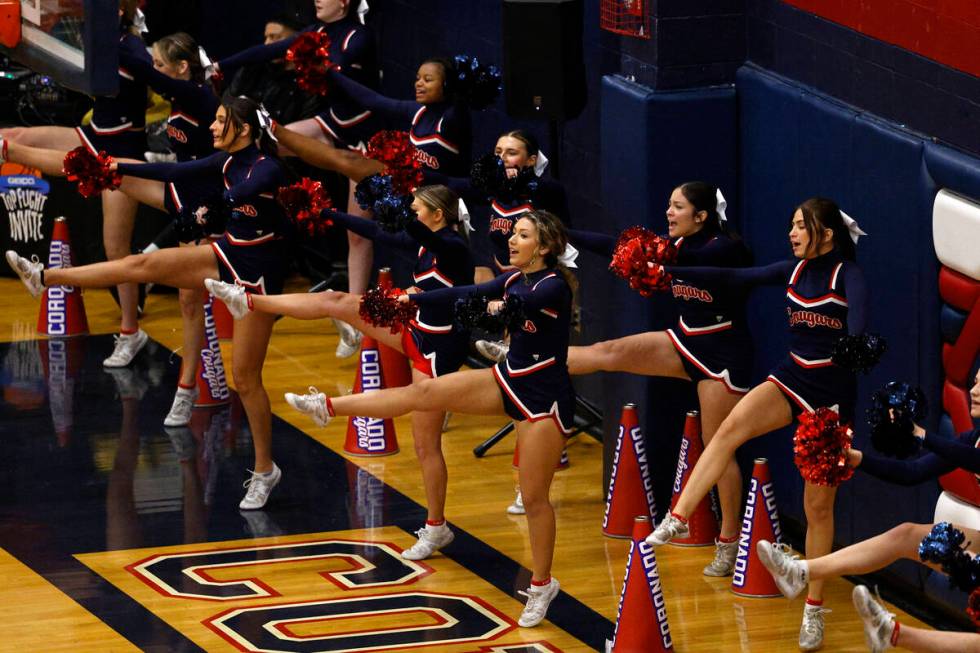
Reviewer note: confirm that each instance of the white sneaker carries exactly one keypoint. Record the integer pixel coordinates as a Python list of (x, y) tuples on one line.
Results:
[(313, 404), (517, 508), (180, 411), (259, 486), (724, 562), (811, 630), (431, 539), (127, 346), (28, 271), (231, 294), (879, 623), (492, 350), (350, 339), (789, 572), (669, 528), (539, 597)]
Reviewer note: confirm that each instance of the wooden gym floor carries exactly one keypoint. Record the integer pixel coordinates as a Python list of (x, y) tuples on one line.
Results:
[(119, 535)]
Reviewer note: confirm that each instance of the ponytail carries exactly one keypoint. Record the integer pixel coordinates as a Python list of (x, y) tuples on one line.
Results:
[(442, 198)]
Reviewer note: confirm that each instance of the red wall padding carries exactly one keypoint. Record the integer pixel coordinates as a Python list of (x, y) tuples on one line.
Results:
[(947, 31)]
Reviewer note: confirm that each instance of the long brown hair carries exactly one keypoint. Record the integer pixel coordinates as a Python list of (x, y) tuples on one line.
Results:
[(553, 236), (243, 111), (820, 213)]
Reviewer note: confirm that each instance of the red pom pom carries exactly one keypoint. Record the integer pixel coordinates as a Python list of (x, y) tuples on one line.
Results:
[(395, 150), (304, 202), (91, 171), (380, 307), (820, 448), (973, 607), (310, 53), (639, 257)]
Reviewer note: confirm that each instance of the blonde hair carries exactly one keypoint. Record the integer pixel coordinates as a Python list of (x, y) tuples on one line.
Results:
[(178, 47), (438, 197)]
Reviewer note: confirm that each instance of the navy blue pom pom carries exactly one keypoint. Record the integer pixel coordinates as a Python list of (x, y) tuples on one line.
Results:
[(392, 212), (944, 546), (209, 217), (471, 313), (859, 353), (489, 175), (894, 410), (941, 544)]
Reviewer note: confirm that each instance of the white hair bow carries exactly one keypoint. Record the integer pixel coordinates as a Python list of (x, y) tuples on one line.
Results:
[(362, 10), (464, 217), (568, 257), (720, 205), (206, 63), (852, 227), (139, 22), (540, 163), (266, 122)]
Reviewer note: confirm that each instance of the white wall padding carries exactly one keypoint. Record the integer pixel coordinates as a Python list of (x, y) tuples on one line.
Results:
[(956, 233)]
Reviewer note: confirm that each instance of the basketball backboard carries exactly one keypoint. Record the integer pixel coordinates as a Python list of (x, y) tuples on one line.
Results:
[(72, 41)]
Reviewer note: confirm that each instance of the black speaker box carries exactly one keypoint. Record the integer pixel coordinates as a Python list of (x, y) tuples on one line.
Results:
[(544, 74)]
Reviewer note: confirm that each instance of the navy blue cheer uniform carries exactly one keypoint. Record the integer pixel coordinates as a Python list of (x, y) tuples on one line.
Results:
[(711, 336), (253, 251), (443, 260), (826, 298), (943, 455), (118, 124), (534, 381), (192, 109), (352, 47), (440, 131), (505, 210)]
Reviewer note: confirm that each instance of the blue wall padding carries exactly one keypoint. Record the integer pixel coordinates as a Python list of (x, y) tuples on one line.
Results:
[(653, 142), (951, 321), (953, 170)]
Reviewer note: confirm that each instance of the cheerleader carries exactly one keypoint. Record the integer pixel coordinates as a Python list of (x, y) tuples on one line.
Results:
[(344, 122), (252, 252), (827, 298), (117, 127), (532, 386), (523, 189), (438, 122), (882, 631), (431, 342), (710, 345)]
